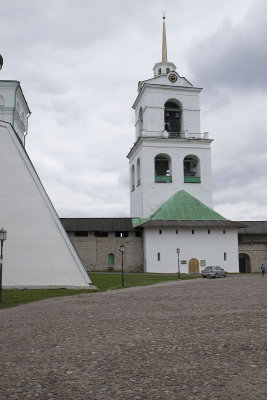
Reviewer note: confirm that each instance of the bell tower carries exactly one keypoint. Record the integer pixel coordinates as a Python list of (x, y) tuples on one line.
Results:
[(170, 152)]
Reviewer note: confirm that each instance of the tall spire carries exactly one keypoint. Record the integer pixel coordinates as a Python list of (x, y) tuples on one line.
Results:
[(164, 41)]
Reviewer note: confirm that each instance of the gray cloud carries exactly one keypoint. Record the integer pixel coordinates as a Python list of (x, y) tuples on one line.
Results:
[(235, 57), (79, 64)]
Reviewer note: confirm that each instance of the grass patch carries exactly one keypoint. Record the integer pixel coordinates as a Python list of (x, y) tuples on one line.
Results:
[(11, 298), (104, 281), (111, 281)]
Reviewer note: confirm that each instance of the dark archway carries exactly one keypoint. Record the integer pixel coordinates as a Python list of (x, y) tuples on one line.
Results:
[(244, 263), (172, 118)]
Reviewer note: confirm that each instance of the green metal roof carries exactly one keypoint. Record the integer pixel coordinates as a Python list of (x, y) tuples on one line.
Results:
[(139, 221), (183, 206)]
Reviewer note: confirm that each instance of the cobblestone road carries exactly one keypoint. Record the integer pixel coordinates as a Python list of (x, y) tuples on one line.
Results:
[(200, 339)]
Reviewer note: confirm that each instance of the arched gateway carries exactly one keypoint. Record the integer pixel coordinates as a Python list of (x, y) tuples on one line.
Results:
[(244, 263)]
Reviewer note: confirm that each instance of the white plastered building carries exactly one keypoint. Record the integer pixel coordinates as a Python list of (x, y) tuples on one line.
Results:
[(37, 252), (170, 178)]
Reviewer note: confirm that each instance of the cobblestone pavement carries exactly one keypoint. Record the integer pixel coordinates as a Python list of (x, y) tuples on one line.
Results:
[(200, 339)]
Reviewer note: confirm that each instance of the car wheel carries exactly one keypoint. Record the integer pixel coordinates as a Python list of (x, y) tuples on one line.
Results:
[(216, 276), (225, 274)]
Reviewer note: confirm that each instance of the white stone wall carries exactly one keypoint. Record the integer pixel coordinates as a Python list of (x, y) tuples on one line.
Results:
[(13, 107), (152, 101), (200, 245), (149, 196), (37, 251)]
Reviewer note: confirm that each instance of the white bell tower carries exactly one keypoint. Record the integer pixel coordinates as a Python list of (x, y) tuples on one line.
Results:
[(170, 152)]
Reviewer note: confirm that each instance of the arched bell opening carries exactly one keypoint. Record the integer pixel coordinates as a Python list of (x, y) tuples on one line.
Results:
[(172, 118), (192, 169), (163, 173)]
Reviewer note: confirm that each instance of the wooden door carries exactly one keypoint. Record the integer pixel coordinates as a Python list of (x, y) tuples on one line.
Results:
[(193, 266)]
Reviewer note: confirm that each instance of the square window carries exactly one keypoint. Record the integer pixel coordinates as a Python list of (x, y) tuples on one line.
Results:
[(101, 234), (193, 231), (209, 231), (203, 263), (160, 231), (80, 233), (224, 231), (225, 256), (176, 231), (158, 256)]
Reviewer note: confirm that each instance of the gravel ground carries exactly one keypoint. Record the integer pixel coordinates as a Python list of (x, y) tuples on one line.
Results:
[(200, 339)]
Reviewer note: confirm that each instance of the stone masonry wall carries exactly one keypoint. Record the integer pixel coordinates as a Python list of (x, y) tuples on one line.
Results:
[(93, 251), (255, 246)]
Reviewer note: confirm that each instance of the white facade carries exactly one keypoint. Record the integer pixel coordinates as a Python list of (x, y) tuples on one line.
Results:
[(37, 252), (149, 195), (150, 102), (171, 156), (153, 141), (14, 108), (215, 248)]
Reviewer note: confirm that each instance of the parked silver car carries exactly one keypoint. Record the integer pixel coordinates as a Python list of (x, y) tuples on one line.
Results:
[(214, 272)]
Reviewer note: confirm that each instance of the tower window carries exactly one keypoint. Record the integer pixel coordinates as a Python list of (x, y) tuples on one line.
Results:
[(167, 70), (191, 169), (133, 179), (138, 172), (163, 169), (140, 122), (159, 71), (172, 118)]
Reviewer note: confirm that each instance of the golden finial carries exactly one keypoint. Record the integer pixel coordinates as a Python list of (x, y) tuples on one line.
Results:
[(164, 41)]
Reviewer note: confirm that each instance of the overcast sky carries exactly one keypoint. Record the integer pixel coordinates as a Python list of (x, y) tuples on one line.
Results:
[(79, 63)]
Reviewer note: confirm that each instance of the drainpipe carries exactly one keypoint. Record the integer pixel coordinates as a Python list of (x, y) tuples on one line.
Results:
[(15, 100)]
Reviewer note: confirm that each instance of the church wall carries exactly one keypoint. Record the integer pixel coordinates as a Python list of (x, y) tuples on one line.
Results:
[(94, 251), (37, 251), (200, 245)]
